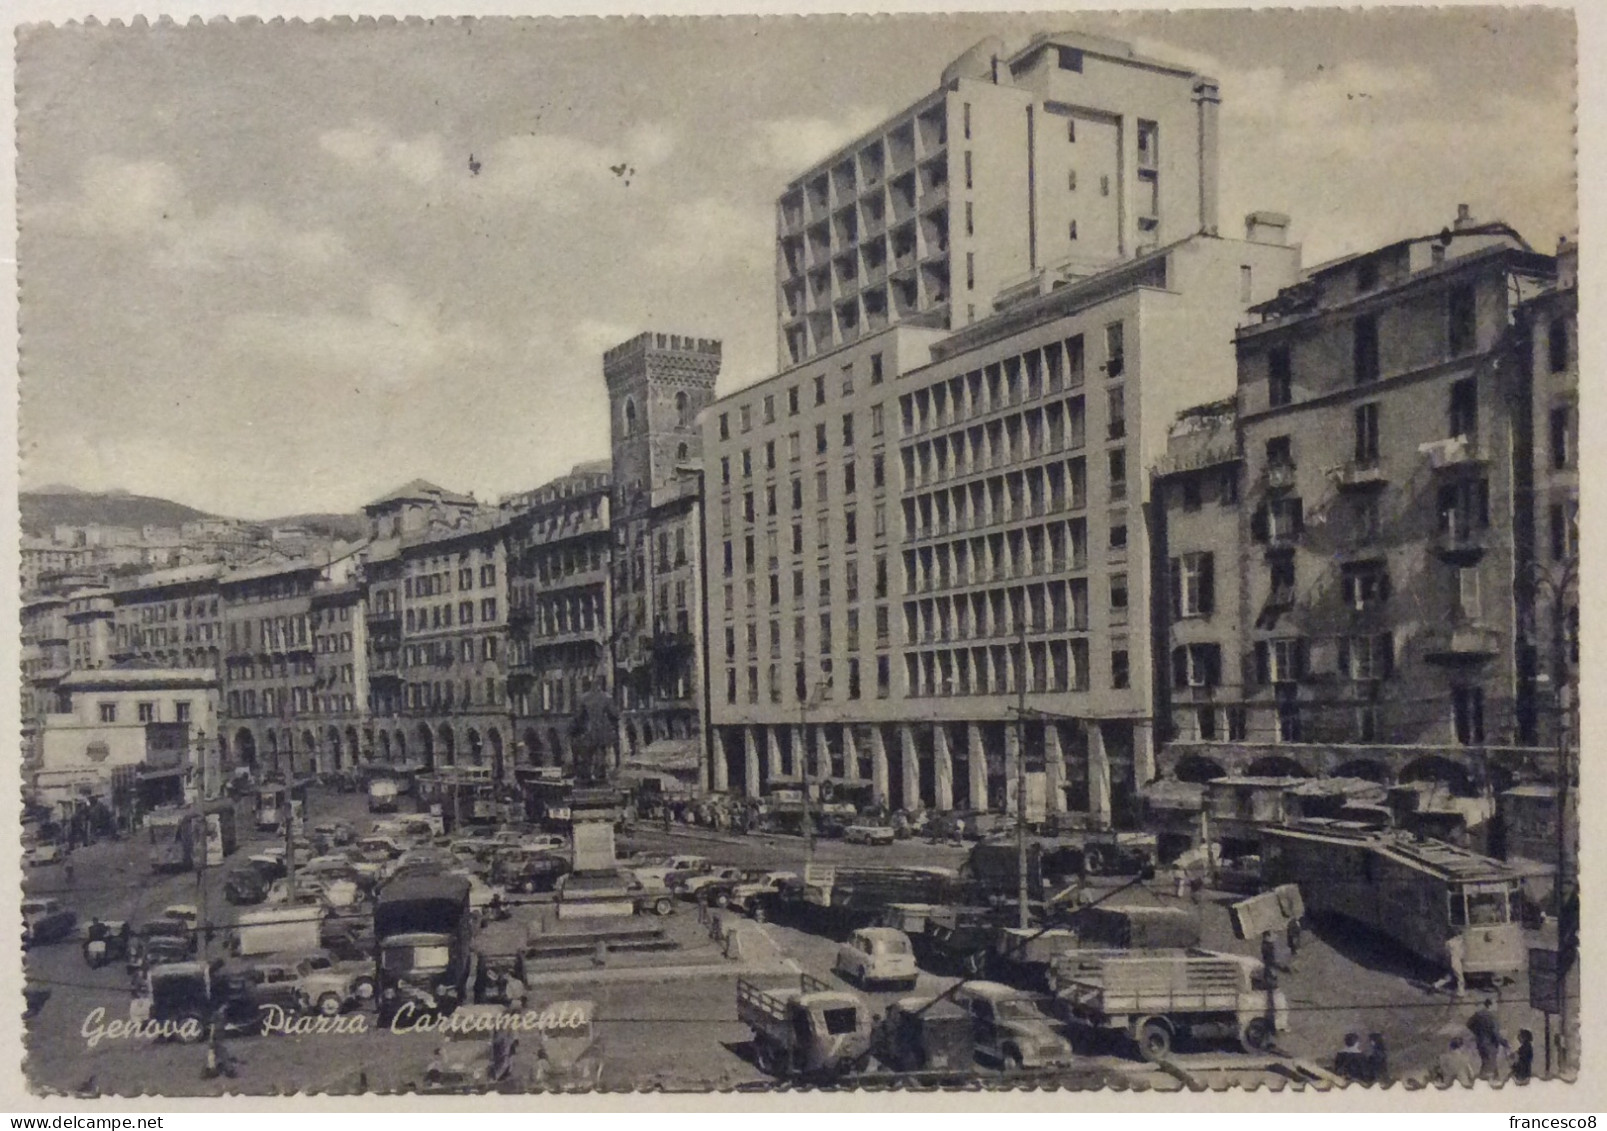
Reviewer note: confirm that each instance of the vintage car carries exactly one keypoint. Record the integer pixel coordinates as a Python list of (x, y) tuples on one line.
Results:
[(753, 895), (46, 921), (675, 868), (245, 886), (270, 866), (336, 832), (186, 913), (868, 834), (106, 940), (1009, 1029), (877, 956), (716, 885), (161, 942), (328, 986), (521, 871)]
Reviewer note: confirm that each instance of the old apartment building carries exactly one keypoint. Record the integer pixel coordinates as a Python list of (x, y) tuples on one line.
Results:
[(1361, 620), (1073, 151)]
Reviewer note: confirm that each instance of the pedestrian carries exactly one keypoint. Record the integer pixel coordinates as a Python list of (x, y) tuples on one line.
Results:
[(1523, 1059), (1196, 887), (702, 906), (67, 869), (1378, 1060), (1454, 1067), (1269, 951), (1182, 878), (1455, 953), (1486, 1030), (1296, 935), (1349, 1062)]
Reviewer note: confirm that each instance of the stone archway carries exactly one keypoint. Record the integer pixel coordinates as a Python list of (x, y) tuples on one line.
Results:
[(309, 748), (384, 746), (272, 744), (1276, 766), (1368, 769), (354, 749), (473, 746), (399, 747), (1437, 768), (448, 744), (332, 736), (426, 746), (1199, 769), (533, 753)]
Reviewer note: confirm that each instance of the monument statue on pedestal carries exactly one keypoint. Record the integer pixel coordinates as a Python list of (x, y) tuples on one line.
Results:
[(592, 733)]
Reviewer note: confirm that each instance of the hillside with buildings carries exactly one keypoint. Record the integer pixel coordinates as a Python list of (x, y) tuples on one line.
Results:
[(54, 506)]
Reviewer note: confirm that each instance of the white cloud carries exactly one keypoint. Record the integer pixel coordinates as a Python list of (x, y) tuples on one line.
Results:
[(369, 146), (146, 202), (396, 342), (712, 234), (791, 145)]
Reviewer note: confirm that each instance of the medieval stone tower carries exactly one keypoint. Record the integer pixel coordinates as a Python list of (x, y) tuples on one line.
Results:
[(657, 385)]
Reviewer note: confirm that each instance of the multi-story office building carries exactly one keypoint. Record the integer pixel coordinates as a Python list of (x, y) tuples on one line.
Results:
[(1385, 435), (269, 669), (45, 659), (170, 618), (1002, 473), (1074, 152), (454, 606), (658, 384), (560, 550)]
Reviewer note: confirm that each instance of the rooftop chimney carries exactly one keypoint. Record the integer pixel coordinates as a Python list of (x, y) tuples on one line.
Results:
[(1464, 217), (1266, 227)]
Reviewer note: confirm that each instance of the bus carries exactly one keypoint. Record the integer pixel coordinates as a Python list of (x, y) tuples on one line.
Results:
[(1416, 892)]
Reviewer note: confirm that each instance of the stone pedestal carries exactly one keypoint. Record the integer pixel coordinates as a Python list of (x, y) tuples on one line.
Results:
[(596, 888)]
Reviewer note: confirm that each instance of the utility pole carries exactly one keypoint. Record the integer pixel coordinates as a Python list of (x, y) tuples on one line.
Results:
[(803, 776), (1022, 893)]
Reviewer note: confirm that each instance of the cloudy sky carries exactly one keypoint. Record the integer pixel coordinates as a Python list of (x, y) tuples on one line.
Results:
[(260, 274)]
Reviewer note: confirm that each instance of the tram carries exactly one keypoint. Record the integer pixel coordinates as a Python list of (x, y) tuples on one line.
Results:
[(1418, 893)]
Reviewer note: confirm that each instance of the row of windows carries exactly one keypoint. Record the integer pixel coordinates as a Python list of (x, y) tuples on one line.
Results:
[(799, 642), (1028, 376), (1009, 440), (441, 653), (148, 712), (155, 614), (278, 667), (1055, 606), (793, 398), (769, 460), (1052, 548), (1015, 496), (750, 506), (1051, 665), (1461, 337), (334, 642), (271, 702), (451, 694), (435, 584), (440, 616), (801, 693)]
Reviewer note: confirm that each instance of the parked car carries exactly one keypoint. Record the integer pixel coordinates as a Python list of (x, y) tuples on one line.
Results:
[(46, 921), (1009, 1028), (245, 886), (868, 834), (186, 913), (754, 894), (106, 940), (39, 854), (717, 883), (877, 955), (527, 872), (270, 867), (328, 987), (161, 942), (676, 867)]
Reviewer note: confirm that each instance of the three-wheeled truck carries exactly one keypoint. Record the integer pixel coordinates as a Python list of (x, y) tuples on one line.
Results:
[(806, 1029), (1158, 997)]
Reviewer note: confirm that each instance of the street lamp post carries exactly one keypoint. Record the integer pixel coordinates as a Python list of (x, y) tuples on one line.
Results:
[(803, 766)]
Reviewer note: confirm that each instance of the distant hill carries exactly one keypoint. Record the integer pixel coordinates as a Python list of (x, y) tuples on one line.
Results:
[(43, 510), (344, 527)]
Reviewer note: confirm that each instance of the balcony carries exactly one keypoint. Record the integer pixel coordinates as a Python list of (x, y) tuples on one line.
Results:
[(1459, 545), (1280, 476), (1359, 475), (1458, 644), (1459, 453)]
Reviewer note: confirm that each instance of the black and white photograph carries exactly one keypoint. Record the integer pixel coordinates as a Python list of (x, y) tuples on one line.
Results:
[(751, 555)]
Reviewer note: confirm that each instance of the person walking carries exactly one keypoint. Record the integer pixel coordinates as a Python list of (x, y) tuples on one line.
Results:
[(1296, 935), (1349, 1062), (1454, 1067), (1455, 955), (1486, 1029), (1523, 1058), (1378, 1060)]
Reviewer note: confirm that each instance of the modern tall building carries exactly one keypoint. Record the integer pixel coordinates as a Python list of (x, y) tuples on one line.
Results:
[(658, 384), (1388, 482), (894, 513), (1072, 154)]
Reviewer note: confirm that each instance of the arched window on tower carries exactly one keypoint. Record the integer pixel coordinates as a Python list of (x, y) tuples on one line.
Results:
[(630, 416), (683, 409)]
